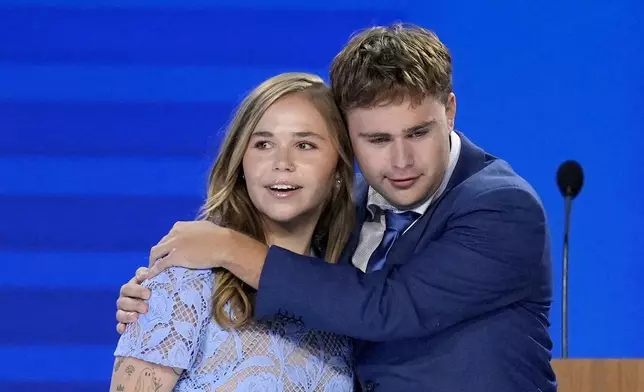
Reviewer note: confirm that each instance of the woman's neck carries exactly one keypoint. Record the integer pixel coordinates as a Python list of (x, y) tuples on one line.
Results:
[(294, 236)]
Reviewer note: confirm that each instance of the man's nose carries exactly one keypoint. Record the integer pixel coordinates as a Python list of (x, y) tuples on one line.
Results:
[(402, 154)]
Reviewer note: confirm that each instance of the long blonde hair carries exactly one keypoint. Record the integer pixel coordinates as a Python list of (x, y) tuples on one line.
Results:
[(229, 204)]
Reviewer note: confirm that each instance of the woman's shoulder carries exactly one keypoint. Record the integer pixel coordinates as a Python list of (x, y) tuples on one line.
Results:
[(179, 307), (176, 278), (178, 284)]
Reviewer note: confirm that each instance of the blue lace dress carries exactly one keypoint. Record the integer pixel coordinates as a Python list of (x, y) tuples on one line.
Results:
[(281, 355)]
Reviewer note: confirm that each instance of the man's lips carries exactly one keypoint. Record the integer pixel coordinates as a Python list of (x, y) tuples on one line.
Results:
[(403, 182)]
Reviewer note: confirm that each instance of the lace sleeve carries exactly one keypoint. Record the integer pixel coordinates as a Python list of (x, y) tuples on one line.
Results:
[(168, 334)]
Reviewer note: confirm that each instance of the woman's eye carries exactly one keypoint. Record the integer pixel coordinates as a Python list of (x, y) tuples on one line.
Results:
[(305, 146)]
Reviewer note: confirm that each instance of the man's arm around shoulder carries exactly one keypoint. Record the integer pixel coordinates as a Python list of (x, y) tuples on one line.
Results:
[(484, 260)]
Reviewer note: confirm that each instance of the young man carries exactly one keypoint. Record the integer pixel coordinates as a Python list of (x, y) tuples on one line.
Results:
[(450, 286)]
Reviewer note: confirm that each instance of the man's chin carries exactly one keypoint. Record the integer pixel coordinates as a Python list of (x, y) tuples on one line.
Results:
[(406, 199), (404, 203)]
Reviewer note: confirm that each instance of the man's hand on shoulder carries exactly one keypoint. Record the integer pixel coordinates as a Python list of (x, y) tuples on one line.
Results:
[(205, 245), (195, 245)]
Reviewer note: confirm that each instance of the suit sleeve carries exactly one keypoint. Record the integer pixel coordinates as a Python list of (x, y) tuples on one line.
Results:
[(484, 260)]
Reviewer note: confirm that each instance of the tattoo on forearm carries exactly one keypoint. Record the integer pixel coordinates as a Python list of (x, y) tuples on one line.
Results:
[(120, 388), (129, 370), (147, 381), (117, 363)]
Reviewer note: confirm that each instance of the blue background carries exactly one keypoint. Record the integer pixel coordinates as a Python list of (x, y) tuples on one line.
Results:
[(111, 112)]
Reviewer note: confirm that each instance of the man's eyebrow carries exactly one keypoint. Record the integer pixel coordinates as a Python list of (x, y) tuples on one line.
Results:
[(412, 129), (374, 134), (421, 126)]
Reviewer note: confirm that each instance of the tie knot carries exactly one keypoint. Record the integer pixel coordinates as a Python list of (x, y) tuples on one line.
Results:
[(400, 221)]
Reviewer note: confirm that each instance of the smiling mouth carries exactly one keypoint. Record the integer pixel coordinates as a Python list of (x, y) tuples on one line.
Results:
[(283, 190)]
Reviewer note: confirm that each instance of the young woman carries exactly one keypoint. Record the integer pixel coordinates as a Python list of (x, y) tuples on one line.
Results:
[(284, 176)]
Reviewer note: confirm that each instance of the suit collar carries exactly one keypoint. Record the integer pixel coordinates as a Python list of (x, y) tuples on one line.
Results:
[(471, 160)]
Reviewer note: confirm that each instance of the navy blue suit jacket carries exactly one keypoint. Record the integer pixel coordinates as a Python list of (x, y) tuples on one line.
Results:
[(462, 303)]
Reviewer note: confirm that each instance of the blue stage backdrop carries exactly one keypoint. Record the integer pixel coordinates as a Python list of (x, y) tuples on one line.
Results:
[(111, 112)]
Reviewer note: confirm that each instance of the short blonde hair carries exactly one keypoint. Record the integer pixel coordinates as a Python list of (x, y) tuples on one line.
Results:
[(381, 65)]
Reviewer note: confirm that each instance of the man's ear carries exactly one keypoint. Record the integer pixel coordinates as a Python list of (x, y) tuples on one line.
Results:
[(450, 110)]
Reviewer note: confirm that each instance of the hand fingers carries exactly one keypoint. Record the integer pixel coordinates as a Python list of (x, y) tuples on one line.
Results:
[(126, 317), (162, 265), (141, 275), (120, 328), (167, 237), (161, 250), (134, 290), (128, 304)]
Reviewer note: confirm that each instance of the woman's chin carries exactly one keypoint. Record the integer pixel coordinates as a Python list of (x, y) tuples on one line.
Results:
[(286, 216)]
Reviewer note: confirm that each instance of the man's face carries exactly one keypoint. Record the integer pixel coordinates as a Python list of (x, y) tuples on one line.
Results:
[(403, 150)]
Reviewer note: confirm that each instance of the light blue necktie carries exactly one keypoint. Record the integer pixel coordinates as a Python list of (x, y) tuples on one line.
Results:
[(396, 224)]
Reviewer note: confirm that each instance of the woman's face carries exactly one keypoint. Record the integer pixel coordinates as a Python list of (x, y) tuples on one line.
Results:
[(289, 164)]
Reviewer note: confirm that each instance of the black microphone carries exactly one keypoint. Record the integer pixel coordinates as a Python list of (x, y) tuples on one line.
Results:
[(570, 179)]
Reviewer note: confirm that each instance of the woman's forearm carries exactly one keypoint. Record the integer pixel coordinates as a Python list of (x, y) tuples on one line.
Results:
[(135, 375)]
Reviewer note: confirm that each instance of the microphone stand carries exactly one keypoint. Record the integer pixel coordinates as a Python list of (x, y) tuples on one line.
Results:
[(564, 305)]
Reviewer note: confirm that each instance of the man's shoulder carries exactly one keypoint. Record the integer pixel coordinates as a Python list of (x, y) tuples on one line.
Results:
[(498, 179)]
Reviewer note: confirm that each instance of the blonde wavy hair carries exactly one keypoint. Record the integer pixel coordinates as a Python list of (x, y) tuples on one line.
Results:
[(228, 203)]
